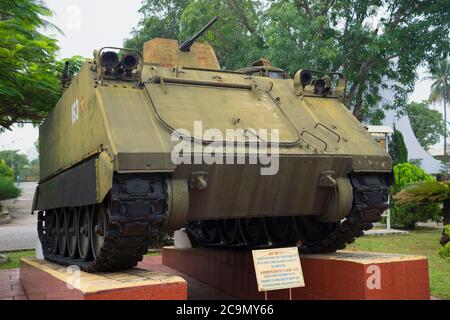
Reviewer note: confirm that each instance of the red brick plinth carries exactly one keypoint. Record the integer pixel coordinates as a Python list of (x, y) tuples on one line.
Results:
[(43, 280), (337, 276)]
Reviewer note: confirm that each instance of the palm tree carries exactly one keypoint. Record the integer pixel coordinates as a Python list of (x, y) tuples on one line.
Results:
[(440, 92)]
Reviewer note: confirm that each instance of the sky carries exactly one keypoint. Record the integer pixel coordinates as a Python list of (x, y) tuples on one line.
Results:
[(92, 24)]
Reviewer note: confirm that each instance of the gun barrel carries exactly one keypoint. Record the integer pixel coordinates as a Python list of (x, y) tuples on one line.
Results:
[(185, 46)]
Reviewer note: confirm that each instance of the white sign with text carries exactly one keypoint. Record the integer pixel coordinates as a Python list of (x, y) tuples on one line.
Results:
[(278, 269)]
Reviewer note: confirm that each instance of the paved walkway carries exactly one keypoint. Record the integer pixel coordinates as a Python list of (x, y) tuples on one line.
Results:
[(21, 233), (11, 288), (18, 237), (20, 208)]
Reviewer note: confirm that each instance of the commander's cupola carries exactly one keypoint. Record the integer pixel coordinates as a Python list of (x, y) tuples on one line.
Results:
[(264, 68)]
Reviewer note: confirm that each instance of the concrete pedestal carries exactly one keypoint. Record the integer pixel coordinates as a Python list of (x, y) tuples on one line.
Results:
[(337, 276), (43, 280)]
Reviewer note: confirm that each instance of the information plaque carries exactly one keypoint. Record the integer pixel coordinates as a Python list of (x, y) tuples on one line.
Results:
[(278, 269)]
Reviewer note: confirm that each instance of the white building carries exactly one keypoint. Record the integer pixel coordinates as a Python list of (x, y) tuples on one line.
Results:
[(415, 150)]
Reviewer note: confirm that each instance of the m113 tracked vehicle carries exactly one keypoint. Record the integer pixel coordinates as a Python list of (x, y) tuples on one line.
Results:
[(110, 184)]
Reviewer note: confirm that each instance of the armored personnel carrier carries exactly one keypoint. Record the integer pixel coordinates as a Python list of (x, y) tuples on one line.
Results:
[(112, 180)]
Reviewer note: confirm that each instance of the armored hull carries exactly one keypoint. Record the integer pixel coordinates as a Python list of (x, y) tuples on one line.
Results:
[(125, 155)]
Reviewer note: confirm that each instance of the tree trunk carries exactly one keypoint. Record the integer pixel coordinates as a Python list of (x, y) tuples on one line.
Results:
[(359, 102), (445, 134), (446, 220)]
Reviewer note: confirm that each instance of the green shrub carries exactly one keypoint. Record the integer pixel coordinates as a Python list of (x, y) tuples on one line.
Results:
[(444, 252), (7, 188), (406, 173), (408, 215), (5, 170)]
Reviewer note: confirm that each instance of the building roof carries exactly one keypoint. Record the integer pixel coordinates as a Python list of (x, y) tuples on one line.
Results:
[(379, 129)]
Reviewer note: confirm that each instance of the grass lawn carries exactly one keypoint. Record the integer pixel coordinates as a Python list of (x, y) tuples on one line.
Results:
[(423, 241), (14, 258), (152, 253)]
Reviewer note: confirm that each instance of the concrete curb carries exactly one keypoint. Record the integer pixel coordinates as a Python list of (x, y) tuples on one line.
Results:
[(18, 249), (5, 217), (384, 232)]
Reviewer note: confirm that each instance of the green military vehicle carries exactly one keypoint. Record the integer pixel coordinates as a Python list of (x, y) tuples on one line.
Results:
[(111, 179)]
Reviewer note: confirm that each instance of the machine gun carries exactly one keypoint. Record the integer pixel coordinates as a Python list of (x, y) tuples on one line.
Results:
[(186, 46), (66, 76)]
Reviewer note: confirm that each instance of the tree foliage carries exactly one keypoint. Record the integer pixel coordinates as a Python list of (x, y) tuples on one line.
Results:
[(427, 124), (18, 162), (376, 44), (29, 70), (75, 64), (398, 150), (161, 19), (28, 85), (237, 37)]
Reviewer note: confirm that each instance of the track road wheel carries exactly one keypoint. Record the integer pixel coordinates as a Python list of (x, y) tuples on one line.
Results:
[(279, 230), (229, 231), (72, 243), (63, 233), (84, 234), (252, 231), (98, 230), (210, 231), (310, 231), (54, 231)]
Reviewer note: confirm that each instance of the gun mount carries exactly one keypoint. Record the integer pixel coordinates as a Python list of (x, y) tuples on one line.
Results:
[(186, 46)]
